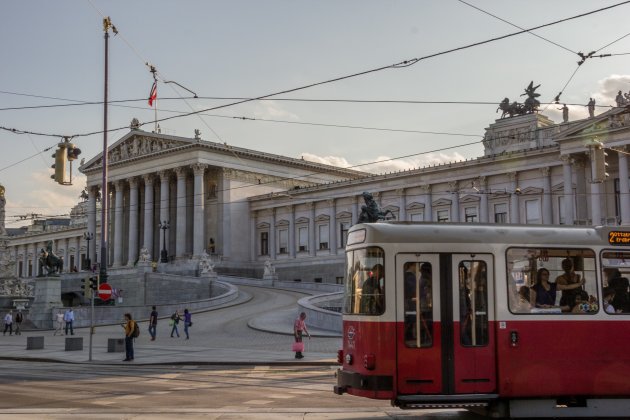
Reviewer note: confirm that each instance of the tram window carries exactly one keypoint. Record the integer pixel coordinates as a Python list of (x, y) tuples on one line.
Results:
[(365, 282), (551, 281), (615, 276), (473, 303), (418, 312)]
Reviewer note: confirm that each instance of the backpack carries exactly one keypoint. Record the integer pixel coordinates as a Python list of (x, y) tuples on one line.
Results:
[(136, 330)]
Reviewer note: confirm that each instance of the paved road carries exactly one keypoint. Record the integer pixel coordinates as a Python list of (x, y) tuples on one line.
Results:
[(217, 336)]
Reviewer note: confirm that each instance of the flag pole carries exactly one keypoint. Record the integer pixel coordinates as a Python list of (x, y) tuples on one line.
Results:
[(155, 125)]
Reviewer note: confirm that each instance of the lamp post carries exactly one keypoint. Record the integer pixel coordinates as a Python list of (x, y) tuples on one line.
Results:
[(88, 237), (164, 255)]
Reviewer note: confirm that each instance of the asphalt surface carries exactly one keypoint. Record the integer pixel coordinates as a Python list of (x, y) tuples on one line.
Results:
[(257, 328)]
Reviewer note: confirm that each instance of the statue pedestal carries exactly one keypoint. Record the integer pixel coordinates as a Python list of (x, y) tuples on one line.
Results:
[(144, 267), (47, 297), (269, 279)]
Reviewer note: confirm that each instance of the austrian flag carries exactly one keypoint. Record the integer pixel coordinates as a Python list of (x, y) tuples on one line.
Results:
[(153, 94)]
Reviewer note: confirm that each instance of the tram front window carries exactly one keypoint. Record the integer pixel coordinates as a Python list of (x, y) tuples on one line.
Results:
[(615, 274), (365, 282)]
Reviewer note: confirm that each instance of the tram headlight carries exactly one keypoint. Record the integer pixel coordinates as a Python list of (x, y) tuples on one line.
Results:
[(348, 359), (369, 361)]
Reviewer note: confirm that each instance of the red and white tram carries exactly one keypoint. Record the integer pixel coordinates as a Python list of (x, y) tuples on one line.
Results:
[(515, 321)]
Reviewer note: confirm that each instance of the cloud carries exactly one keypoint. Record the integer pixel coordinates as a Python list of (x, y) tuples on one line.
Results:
[(383, 164), (48, 199), (270, 110)]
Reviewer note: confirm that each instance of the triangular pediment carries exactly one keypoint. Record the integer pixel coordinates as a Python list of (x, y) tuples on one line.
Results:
[(136, 144), (442, 202), (613, 119), (469, 198)]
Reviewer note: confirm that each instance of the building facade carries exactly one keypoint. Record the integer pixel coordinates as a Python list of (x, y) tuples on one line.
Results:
[(245, 207)]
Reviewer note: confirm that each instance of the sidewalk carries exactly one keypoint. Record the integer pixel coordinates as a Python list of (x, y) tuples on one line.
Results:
[(253, 345)]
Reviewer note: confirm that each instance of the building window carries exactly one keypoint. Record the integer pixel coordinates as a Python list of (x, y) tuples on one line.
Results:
[(303, 239), (532, 212), (343, 231), (501, 213), (264, 243), (442, 216), (283, 241), (416, 217), (323, 231), (471, 214)]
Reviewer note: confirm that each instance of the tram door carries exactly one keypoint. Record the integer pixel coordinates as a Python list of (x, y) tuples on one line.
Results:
[(445, 315), (472, 307)]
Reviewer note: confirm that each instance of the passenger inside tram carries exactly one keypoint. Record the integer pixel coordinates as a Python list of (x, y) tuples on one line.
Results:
[(523, 304), (418, 329), (371, 293), (619, 284)]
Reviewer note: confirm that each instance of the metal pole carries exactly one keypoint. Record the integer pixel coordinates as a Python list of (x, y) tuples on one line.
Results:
[(104, 190), (91, 320)]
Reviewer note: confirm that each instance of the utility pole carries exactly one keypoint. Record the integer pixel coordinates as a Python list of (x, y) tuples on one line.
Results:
[(107, 25)]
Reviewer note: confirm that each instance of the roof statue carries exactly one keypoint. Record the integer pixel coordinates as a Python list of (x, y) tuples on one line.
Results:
[(530, 105), (371, 212)]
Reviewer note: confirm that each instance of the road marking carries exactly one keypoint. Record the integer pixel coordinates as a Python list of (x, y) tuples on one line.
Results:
[(281, 396), (257, 402)]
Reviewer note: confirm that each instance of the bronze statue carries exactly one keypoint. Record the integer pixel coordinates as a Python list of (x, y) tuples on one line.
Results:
[(49, 261), (371, 212), (529, 107)]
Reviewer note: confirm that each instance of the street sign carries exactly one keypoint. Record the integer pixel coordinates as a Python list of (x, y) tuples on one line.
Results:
[(105, 291)]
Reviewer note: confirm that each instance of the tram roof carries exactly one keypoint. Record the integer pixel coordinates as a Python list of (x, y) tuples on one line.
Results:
[(414, 232)]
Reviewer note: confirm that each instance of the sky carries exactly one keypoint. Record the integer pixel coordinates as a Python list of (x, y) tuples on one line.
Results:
[(53, 54)]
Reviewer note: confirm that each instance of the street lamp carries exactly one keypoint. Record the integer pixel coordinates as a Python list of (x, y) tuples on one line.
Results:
[(164, 225), (88, 237)]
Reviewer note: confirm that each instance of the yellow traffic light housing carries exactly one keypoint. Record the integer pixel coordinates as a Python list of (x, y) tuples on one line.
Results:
[(61, 160), (599, 167)]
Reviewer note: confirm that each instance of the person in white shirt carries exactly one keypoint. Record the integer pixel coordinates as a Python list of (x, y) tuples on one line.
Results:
[(69, 318), (8, 323), (59, 320)]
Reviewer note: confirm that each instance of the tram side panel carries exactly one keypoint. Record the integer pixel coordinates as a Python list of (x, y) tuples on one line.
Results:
[(554, 357)]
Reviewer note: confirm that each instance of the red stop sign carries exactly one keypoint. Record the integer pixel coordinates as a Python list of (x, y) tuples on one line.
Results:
[(104, 291)]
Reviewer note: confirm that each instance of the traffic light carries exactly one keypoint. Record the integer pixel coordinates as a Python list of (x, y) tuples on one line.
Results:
[(61, 160), (89, 285), (599, 167), (73, 152)]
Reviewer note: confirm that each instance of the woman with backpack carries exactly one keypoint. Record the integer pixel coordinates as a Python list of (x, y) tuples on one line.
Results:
[(129, 326), (175, 318)]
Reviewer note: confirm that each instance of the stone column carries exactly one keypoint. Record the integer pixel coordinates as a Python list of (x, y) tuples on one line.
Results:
[(567, 176), (180, 232), (581, 207), (91, 224), (66, 255), (454, 187), (77, 253), (332, 233), (311, 230), (226, 213), (402, 204), (164, 207), (253, 222), (428, 204), (546, 198), (118, 224), (132, 254), (35, 259), (272, 235), (355, 209), (624, 186), (483, 201), (199, 200), (515, 216), (291, 231), (596, 206), (25, 262), (149, 225)]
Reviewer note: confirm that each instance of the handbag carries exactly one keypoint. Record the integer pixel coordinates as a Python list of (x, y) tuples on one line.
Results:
[(297, 346), (190, 324)]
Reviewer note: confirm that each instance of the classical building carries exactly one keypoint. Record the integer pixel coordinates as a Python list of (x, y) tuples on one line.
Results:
[(245, 207)]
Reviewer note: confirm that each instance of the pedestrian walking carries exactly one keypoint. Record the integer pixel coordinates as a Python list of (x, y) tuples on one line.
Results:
[(175, 318), (153, 323), (299, 328), (59, 320), (187, 322), (8, 323), (129, 326), (68, 317), (18, 323)]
